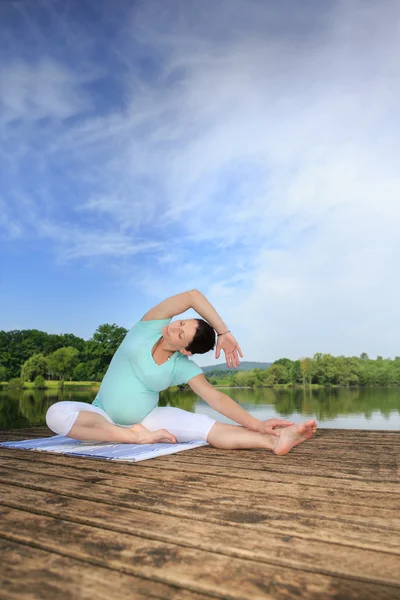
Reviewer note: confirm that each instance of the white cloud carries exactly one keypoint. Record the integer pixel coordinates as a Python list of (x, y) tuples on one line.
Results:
[(40, 91), (261, 153)]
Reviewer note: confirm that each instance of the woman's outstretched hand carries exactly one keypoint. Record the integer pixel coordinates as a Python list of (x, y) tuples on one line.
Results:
[(232, 350), (272, 426)]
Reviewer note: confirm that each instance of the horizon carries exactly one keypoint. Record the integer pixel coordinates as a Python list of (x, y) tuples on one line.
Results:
[(244, 148)]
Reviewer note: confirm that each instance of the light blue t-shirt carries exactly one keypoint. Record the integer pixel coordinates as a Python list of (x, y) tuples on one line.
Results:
[(130, 388)]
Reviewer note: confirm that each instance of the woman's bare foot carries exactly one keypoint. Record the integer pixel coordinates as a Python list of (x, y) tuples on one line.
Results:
[(293, 435), (144, 436)]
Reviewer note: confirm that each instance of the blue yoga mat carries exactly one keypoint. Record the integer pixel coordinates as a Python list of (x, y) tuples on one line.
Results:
[(109, 451)]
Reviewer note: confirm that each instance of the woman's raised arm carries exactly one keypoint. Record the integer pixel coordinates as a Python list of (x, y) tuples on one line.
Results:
[(226, 341), (180, 303), (171, 307)]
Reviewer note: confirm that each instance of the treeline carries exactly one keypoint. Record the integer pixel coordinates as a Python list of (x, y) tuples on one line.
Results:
[(322, 369), (31, 353)]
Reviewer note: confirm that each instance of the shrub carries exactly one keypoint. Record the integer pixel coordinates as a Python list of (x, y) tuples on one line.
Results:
[(16, 383), (40, 383)]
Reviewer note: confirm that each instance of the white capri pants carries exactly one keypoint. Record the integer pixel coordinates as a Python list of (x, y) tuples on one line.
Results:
[(185, 426)]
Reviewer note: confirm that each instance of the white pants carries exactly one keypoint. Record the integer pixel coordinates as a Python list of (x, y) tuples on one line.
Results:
[(185, 426)]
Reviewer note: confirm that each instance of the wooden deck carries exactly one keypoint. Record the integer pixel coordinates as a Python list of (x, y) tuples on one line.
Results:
[(320, 523)]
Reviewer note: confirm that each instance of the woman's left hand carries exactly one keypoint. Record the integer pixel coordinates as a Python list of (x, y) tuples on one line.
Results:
[(232, 350), (272, 425)]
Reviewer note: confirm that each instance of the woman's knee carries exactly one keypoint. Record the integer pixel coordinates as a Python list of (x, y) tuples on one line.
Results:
[(60, 417)]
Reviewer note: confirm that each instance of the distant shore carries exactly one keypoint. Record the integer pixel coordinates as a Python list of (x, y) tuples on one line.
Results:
[(94, 386)]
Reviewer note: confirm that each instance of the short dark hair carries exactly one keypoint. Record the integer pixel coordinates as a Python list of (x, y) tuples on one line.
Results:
[(204, 338)]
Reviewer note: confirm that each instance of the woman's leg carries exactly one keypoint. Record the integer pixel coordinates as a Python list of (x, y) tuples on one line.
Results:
[(233, 437), (89, 423), (184, 425), (187, 426)]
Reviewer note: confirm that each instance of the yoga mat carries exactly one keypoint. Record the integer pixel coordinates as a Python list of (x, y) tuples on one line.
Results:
[(124, 452)]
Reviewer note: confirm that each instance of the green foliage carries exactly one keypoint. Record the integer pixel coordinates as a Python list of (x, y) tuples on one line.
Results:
[(80, 372), (322, 369), (16, 383), (34, 366), (16, 347), (62, 361), (295, 373), (102, 347), (308, 369), (39, 383), (279, 372), (31, 353)]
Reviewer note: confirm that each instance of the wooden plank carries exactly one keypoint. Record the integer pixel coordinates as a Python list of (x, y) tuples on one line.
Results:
[(203, 572), (345, 452), (311, 450), (379, 470), (275, 492), (204, 501), (22, 435), (304, 524), (280, 466), (41, 431), (381, 465), (29, 573), (293, 489), (289, 551), (165, 470)]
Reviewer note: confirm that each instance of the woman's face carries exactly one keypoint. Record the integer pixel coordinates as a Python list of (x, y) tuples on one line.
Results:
[(180, 333)]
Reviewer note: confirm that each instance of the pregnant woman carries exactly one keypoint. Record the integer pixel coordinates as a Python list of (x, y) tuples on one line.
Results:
[(154, 356)]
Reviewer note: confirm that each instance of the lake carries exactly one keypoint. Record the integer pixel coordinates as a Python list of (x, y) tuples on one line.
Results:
[(341, 408)]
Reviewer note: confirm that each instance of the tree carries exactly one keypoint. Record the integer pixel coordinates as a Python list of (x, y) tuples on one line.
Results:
[(34, 366), (62, 361), (17, 346), (278, 373), (325, 369), (104, 344), (307, 369), (268, 377), (80, 372), (286, 362), (364, 356), (295, 374)]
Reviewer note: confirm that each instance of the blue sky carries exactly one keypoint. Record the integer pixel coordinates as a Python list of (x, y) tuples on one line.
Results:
[(245, 148)]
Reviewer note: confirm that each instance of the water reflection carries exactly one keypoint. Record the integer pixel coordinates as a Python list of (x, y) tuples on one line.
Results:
[(334, 407)]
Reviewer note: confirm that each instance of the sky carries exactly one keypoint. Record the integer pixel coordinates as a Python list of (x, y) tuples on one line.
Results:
[(245, 148)]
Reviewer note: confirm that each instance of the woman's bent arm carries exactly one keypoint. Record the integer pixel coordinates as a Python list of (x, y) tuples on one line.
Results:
[(226, 342), (176, 305)]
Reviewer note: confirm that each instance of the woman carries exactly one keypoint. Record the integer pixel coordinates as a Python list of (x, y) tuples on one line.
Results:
[(152, 357)]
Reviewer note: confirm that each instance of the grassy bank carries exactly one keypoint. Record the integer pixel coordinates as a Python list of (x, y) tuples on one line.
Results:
[(68, 385)]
